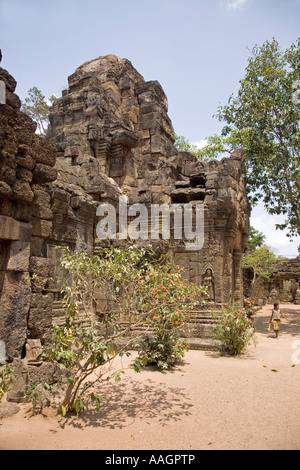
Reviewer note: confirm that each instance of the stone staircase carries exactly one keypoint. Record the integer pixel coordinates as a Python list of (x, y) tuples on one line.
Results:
[(198, 328), (197, 331)]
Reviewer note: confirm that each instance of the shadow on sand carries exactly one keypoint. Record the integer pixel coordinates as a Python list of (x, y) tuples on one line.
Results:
[(128, 400)]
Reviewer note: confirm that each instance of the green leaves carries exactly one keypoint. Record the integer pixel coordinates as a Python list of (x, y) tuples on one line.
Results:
[(78, 404), (233, 330), (63, 410), (106, 297), (183, 145), (264, 121), (261, 261), (117, 376), (97, 400), (256, 238), (36, 107), (162, 348), (7, 378)]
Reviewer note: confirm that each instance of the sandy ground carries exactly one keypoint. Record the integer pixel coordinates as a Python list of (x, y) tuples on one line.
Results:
[(206, 402)]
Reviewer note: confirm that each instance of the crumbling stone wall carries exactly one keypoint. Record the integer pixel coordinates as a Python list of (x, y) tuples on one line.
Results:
[(221, 186), (109, 135), (284, 285), (26, 166), (286, 280), (112, 130)]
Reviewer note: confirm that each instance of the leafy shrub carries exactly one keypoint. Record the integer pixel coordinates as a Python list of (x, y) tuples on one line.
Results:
[(249, 308), (172, 299), (39, 395), (143, 292), (234, 330), (164, 350), (7, 378)]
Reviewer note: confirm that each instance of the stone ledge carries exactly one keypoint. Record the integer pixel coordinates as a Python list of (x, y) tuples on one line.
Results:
[(11, 229)]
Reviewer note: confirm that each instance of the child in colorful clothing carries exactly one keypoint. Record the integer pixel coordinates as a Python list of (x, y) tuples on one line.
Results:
[(276, 312)]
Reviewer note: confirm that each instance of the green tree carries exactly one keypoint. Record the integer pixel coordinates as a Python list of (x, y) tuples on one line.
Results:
[(183, 145), (261, 261), (256, 239), (36, 107), (263, 120), (140, 293)]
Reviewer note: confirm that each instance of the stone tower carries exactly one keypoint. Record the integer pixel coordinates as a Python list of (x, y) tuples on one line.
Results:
[(113, 136), (109, 136)]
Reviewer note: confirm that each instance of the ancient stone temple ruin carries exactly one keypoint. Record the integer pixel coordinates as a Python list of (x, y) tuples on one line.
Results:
[(109, 136), (283, 286)]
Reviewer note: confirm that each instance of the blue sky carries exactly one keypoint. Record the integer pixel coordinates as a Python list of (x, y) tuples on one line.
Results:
[(196, 49)]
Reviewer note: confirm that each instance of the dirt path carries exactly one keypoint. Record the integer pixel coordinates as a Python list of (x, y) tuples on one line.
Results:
[(207, 402)]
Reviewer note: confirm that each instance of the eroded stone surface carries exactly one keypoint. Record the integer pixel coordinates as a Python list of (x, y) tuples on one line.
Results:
[(109, 135)]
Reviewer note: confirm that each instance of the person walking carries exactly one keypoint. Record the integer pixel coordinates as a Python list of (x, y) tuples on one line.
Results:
[(276, 317)]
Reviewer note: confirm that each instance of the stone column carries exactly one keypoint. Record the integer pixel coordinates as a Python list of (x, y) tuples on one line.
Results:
[(237, 277)]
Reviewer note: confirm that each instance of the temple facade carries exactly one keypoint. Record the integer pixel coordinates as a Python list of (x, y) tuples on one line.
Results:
[(110, 140)]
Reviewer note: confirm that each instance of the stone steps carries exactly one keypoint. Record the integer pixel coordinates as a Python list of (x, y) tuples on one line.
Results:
[(197, 329), (201, 344)]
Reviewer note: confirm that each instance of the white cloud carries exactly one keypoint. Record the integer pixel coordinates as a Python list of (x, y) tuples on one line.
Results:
[(49, 102), (234, 5), (277, 240), (200, 144)]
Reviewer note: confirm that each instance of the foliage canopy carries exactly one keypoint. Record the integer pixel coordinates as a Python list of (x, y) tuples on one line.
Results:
[(263, 119), (261, 261), (36, 107), (141, 293), (256, 238), (233, 331)]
